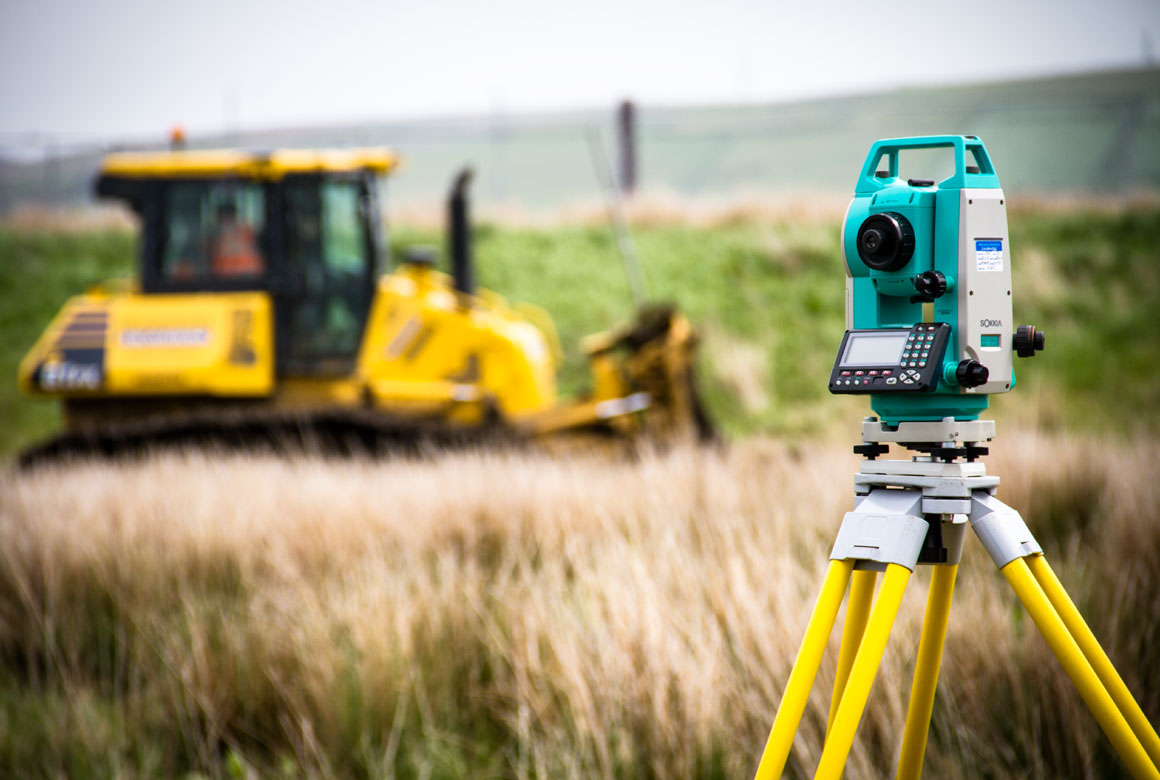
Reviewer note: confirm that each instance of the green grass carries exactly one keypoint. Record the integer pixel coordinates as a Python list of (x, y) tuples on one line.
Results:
[(38, 272), (1095, 287), (768, 297)]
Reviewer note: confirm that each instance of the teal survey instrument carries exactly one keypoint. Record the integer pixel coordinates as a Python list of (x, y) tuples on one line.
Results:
[(929, 337)]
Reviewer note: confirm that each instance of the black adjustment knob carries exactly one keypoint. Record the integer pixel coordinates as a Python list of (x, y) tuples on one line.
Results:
[(930, 285), (971, 373), (1028, 341), (885, 241)]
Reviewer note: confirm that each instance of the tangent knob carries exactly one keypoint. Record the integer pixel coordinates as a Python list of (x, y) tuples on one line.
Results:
[(1028, 341)]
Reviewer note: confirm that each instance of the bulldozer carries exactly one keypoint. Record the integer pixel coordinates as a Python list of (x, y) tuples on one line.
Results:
[(263, 311)]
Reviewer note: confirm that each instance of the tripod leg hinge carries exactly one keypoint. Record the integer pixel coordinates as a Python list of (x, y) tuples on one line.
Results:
[(887, 527), (1001, 530)]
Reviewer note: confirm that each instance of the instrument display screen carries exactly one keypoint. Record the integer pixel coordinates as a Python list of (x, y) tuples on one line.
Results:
[(873, 349)]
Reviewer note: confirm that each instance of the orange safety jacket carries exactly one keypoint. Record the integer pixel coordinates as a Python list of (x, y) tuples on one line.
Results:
[(235, 252)]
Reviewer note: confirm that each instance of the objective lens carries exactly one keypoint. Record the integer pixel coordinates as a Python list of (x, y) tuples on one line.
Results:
[(885, 241)]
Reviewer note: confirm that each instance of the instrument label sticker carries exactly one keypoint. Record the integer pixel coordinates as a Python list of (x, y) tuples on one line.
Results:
[(988, 254)]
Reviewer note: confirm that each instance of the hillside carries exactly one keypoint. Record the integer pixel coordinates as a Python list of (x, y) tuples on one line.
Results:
[(1074, 133)]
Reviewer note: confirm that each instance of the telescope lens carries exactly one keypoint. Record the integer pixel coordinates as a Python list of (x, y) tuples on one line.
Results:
[(885, 241)]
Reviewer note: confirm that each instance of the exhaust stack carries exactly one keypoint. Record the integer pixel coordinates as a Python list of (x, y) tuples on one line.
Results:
[(459, 234)]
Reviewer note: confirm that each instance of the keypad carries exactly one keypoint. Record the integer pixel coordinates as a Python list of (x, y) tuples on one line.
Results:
[(916, 369)]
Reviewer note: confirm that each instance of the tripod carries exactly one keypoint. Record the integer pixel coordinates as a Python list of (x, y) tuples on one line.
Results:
[(916, 512)]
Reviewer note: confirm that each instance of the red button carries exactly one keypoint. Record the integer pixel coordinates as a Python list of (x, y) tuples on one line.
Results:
[(859, 373), (887, 372), (873, 373), (845, 373)]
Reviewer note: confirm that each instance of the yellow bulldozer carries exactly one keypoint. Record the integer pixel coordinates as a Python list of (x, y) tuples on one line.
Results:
[(261, 313)]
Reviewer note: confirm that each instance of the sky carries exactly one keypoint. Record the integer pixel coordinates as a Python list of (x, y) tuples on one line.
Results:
[(74, 71)]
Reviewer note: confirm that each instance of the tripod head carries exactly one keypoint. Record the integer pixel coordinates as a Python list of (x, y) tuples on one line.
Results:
[(928, 287)]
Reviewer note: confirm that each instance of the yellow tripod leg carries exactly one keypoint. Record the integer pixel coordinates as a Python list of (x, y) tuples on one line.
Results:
[(1096, 656), (857, 614), (922, 690), (841, 737), (1098, 700), (805, 668)]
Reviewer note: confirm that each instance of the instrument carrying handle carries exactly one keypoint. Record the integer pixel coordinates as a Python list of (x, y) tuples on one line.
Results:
[(981, 176)]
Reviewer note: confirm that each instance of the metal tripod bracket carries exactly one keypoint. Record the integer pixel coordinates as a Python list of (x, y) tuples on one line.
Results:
[(1001, 530), (900, 506), (885, 527)]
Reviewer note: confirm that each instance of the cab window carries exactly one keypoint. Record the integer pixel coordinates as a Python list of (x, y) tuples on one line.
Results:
[(327, 253), (212, 231)]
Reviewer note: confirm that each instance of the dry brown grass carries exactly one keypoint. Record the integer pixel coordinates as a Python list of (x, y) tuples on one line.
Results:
[(658, 208), (649, 208), (33, 218), (514, 615)]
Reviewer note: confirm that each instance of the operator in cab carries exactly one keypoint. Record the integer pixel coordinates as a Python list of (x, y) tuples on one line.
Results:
[(233, 250)]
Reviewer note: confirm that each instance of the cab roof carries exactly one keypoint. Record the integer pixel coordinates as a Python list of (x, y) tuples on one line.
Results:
[(245, 164)]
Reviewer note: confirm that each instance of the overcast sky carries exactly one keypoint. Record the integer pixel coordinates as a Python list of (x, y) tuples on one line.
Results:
[(97, 70)]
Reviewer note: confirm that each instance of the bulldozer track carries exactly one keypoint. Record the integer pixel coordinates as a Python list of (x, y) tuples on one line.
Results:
[(326, 431)]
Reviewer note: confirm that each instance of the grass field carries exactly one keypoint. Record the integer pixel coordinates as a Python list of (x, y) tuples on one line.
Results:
[(766, 291), (514, 616)]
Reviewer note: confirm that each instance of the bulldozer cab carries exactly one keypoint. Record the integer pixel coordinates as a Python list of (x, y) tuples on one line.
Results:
[(300, 226)]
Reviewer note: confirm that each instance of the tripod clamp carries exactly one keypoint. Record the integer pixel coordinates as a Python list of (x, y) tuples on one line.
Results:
[(917, 511)]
